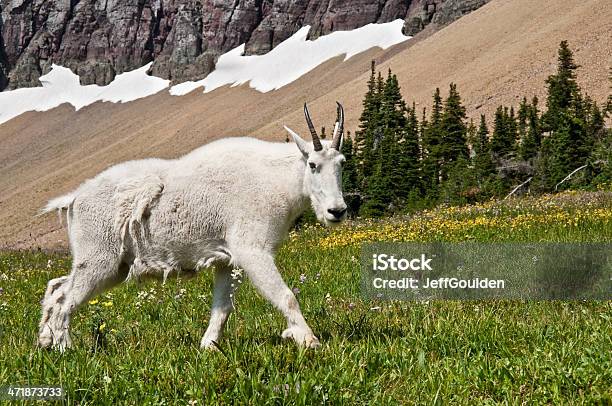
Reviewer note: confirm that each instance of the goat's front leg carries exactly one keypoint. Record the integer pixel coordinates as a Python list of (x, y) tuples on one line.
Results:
[(221, 307), (260, 268)]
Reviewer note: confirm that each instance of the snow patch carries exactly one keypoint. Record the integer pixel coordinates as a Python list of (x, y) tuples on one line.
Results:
[(284, 64), (293, 58), (61, 86)]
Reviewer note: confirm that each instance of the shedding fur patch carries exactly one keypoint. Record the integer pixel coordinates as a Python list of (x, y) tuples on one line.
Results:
[(133, 200), (220, 254), (147, 268), (161, 262)]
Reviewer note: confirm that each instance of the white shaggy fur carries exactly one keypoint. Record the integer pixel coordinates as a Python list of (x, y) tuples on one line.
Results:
[(230, 203)]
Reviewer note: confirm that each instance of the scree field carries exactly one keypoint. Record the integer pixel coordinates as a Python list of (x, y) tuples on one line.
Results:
[(139, 343)]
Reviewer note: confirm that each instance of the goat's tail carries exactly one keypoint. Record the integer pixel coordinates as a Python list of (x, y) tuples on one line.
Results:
[(60, 204)]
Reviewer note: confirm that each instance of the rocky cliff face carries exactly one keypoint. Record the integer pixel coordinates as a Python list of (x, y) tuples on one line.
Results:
[(98, 39), (421, 13)]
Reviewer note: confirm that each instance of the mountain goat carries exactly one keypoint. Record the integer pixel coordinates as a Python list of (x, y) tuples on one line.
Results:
[(230, 202)]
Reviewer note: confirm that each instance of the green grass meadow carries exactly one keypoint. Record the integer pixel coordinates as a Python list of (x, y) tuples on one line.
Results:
[(139, 343)]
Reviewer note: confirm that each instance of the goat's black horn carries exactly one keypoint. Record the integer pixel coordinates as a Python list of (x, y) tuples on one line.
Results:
[(315, 138)]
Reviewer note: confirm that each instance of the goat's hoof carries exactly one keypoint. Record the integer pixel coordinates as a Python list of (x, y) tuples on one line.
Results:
[(60, 344), (61, 347), (209, 345), (45, 337), (63, 344), (312, 342), (44, 342), (302, 337)]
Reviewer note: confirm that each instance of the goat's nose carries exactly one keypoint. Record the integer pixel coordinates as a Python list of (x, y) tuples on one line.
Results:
[(337, 213)]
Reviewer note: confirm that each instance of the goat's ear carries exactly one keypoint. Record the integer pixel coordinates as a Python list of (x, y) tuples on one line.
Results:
[(302, 145)]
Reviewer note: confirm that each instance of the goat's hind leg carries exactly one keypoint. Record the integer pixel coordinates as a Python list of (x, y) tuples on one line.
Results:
[(64, 295)]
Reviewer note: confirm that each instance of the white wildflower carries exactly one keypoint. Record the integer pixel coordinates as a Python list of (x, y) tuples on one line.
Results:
[(236, 273)]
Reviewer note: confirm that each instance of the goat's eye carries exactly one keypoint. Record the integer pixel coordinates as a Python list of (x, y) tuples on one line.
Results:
[(312, 165)]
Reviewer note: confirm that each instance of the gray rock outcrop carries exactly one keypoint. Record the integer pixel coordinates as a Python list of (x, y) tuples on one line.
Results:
[(99, 39)]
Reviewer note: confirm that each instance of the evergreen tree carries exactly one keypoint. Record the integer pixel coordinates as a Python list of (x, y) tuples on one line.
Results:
[(350, 179), (483, 163), (504, 139), (460, 186), (567, 118), (368, 125), (500, 140), (436, 111), (432, 154), (349, 168), (454, 130), (567, 148), (542, 181), (562, 89), (597, 140), (393, 109), (453, 148), (603, 149), (422, 131), (382, 146), (512, 126), (392, 104), (530, 142), (523, 113), (409, 163), (601, 159), (380, 89), (595, 122), (379, 194)]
